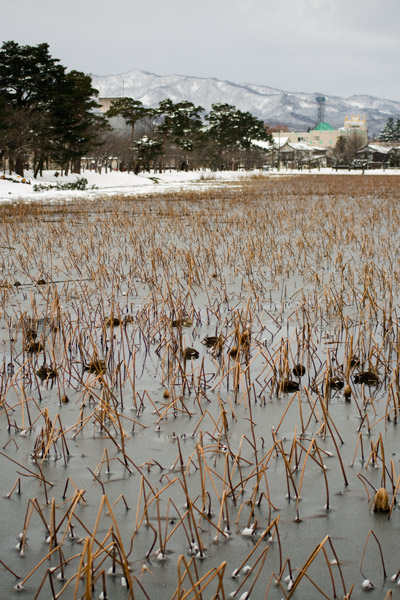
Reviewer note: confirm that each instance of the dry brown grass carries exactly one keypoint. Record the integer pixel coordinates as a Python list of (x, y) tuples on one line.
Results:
[(271, 275)]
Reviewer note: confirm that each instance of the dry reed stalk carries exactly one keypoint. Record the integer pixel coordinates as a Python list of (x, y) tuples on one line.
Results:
[(10, 570), (200, 450), (313, 413), (374, 455), (220, 517), (317, 587), (30, 473), (148, 503), (308, 563), (116, 534), (395, 490), (205, 413), (320, 464), (174, 529), (203, 515), (179, 592), (328, 420), (273, 579), (272, 525), (81, 568), (278, 445), (308, 453), (68, 515), (16, 486), (68, 481), (36, 567), (295, 395), (371, 532), (359, 442), (191, 521), (261, 559)]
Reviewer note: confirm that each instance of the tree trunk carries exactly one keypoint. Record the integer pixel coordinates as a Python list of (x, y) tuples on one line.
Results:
[(77, 166), (19, 165), (36, 169)]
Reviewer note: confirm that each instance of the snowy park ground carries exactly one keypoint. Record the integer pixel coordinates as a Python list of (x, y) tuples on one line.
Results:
[(12, 189)]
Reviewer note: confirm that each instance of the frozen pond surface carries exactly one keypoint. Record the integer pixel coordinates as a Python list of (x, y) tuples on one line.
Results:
[(153, 439)]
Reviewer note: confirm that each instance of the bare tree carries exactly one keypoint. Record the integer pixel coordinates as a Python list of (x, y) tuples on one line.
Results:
[(346, 147), (354, 141)]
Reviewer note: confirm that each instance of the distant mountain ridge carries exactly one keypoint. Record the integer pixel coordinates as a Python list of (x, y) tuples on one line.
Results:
[(297, 110)]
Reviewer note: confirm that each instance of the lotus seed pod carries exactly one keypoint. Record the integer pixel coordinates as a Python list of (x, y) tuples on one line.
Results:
[(381, 501)]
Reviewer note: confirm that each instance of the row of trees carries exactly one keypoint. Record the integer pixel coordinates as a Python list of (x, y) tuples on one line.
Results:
[(51, 116), (181, 134), (48, 115)]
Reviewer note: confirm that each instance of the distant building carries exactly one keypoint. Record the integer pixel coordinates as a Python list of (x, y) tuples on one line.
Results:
[(118, 123), (293, 155), (324, 136), (355, 123), (297, 155), (377, 156)]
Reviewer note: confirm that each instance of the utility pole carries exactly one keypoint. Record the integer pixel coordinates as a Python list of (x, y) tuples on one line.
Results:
[(279, 150)]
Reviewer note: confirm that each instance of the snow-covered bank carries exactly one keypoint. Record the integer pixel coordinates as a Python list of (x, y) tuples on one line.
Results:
[(13, 189)]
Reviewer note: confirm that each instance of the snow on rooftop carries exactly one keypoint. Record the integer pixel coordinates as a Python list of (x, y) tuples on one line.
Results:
[(280, 140), (379, 148), (263, 145), (302, 146)]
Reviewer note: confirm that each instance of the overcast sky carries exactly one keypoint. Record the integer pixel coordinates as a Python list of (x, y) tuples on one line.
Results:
[(339, 47)]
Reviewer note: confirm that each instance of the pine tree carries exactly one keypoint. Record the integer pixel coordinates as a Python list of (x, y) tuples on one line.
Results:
[(148, 150), (388, 133), (48, 112), (28, 74), (397, 131), (232, 127), (28, 77), (131, 110), (232, 132), (75, 125), (181, 122)]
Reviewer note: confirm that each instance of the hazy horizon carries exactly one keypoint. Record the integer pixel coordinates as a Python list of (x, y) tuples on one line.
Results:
[(329, 46)]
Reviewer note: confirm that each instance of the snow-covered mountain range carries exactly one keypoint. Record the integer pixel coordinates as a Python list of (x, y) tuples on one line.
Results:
[(297, 110)]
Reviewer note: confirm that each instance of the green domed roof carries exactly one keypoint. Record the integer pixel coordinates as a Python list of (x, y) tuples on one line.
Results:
[(323, 127)]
